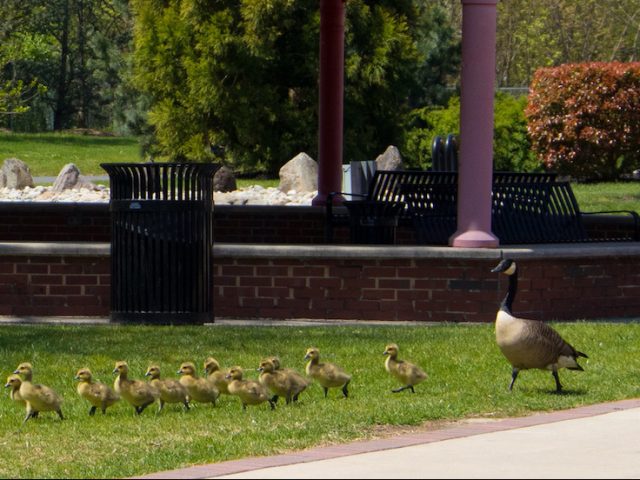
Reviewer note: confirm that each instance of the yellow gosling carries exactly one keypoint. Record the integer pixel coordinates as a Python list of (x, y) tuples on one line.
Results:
[(328, 375), (298, 382), (216, 375), (136, 392), (249, 392), (169, 389), (38, 398), (14, 382), (276, 381), (406, 373), (97, 394), (199, 389)]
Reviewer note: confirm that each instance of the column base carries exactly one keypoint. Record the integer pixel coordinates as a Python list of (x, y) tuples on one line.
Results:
[(474, 239), (320, 200)]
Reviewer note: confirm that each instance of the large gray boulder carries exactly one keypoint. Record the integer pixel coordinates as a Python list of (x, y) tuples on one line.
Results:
[(224, 180), (299, 174), (15, 174), (390, 159), (70, 178)]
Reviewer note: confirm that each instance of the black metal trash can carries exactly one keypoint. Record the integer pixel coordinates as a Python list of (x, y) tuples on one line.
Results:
[(161, 242)]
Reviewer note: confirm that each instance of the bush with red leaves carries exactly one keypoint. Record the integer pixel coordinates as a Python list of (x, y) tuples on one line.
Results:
[(584, 119)]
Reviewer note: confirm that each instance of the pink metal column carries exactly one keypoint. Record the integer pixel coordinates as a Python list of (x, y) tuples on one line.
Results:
[(331, 99), (475, 169)]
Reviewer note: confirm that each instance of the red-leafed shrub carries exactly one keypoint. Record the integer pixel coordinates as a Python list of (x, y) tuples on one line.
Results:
[(584, 119)]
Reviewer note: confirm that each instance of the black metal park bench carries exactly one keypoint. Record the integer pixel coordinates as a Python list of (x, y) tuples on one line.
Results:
[(522, 212), (374, 216)]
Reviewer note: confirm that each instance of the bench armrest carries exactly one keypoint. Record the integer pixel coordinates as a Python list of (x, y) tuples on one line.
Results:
[(634, 215)]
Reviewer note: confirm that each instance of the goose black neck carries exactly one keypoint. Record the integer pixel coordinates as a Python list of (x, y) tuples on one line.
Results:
[(511, 293)]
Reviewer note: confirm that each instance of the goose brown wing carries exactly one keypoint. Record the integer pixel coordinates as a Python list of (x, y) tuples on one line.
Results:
[(546, 342)]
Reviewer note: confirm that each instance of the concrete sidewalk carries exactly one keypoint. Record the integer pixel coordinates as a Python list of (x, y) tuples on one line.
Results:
[(597, 441)]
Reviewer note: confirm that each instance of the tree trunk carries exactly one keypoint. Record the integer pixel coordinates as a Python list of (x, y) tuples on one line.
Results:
[(61, 111)]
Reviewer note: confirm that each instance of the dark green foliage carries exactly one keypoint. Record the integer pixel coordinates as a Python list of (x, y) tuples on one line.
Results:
[(511, 145), (245, 75)]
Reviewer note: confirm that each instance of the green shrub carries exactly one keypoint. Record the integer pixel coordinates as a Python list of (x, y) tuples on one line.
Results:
[(511, 146), (584, 119)]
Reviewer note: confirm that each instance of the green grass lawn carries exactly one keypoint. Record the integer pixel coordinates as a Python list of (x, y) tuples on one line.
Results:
[(47, 153), (468, 377), (608, 196)]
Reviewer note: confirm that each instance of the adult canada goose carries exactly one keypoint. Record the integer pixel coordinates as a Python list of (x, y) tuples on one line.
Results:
[(97, 394), (216, 375), (407, 373), (328, 375), (137, 393), (249, 392), (38, 398), (199, 389), (169, 390), (530, 343), (298, 382)]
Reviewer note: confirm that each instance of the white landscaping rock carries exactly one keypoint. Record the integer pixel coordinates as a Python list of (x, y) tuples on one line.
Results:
[(253, 195), (300, 173)]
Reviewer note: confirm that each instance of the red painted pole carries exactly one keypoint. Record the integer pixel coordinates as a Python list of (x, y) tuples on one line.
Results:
[(330, 119), (475, 169)]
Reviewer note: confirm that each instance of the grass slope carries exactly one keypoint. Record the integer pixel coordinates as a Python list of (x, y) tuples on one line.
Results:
[(468, 377), (47, 153)]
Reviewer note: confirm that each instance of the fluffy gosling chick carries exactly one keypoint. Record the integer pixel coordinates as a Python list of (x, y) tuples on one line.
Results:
[(169, 390), (136, 392), (97, 394), (14, 382), (407, 373), (38, 398), (276, 381), (249, 392), (199, 389), (328, 375), (216, 375), (298, 382)]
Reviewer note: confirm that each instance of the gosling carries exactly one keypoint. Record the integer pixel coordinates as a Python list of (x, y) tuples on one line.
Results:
[(249, 392), (275, 381), (328, 375), (199, 389), (528, 343), (37, 398), (136, 392), (407, 373), (97, 394), (14, 382), (169, 390), (216, 375), (298, 382)]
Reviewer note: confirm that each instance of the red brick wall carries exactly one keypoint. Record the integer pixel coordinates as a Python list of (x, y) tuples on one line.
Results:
[(303, 225), (43, 222), (427, 289), (54, 285), (437, 285)]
